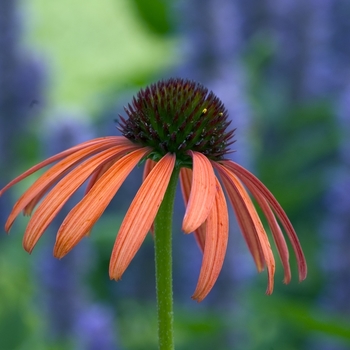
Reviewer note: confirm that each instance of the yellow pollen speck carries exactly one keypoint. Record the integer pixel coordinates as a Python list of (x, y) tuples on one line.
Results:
[(204, 111), (221, 114)]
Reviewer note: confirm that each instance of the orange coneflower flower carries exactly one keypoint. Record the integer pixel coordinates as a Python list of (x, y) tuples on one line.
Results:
[(174, 123)]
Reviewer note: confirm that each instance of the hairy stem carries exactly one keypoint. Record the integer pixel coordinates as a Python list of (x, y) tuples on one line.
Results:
[(163, 261)]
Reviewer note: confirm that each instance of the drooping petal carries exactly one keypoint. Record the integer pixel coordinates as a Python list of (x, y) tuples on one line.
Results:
[(277, 234), (202, 195), (28, 209), (250, 223), (36, 191), (217, 228), (98, 173), (140, 216), (149, 165), (186, 183), (252, 181), (245, 222), (83, 216), (59, 195), (200, 235), (115, 140)]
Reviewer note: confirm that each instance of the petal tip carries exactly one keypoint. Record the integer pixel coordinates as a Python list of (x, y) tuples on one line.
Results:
[(28, 246), (115, 276), (8, 227), (59, 251), (186, 230), (269, 291), (197, 298), (302, 276), (287, 280)]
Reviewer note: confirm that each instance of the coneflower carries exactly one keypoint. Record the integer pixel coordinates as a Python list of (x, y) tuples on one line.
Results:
[(179, 130)]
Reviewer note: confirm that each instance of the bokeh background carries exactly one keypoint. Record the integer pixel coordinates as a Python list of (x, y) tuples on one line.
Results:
[(282, 68)]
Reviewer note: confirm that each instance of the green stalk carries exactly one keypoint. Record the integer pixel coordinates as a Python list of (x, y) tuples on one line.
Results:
[(163, 261)]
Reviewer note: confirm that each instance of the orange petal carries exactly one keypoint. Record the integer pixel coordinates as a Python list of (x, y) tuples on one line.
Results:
[(202, 195), (277, 234), (45, 181), (83, 216), (245, 222), (217, 228), (200, 235), (250, 223), (97, 174), (140, 216), (28, 209), (64, 154), (252, 181), (149, 165), (59, 195), (186, 182)]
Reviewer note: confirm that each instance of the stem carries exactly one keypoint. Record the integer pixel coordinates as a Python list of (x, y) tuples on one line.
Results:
[(163, 261)]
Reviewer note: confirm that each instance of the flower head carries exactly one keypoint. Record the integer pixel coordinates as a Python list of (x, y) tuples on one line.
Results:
[(174, 123)]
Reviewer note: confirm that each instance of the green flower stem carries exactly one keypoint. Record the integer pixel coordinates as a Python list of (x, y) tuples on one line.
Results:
[(163, 260)]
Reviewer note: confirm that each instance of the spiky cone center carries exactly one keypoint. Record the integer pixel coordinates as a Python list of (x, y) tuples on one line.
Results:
[(176, 116)]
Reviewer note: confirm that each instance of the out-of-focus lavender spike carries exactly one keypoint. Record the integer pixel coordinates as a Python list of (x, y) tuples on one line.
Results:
[(96, 329), (21, 98), (334, 257), (64, 295), (320, 79), (327, 75), (286, 23)]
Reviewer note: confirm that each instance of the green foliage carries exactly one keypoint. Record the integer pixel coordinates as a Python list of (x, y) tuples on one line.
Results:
[(294, 152), (19, 321), (138, 325), (301, 317), (155, 15), (202, 328), (295, 142), (92, 46)]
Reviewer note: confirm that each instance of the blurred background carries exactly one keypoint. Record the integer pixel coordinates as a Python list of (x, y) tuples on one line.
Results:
[(282, 69)]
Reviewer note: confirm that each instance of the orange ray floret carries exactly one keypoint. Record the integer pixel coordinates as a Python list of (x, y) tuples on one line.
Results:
[(64, 189), (277, 234), (64, 154), (73, 156), (252, 182), (83, 216), (217, 228), (98, 173), (140, 216), (251, 226), (245, 222), (186, 183), (149, 165), (202, 195)]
